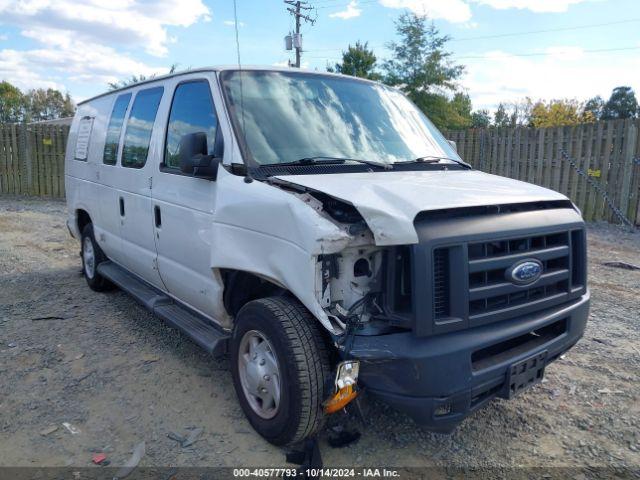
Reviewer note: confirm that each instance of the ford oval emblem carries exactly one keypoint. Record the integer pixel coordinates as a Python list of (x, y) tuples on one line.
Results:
[(525, 271)]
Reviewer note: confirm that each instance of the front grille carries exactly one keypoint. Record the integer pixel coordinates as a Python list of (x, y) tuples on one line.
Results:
[(492, 296), (441, 283), (490, 291)]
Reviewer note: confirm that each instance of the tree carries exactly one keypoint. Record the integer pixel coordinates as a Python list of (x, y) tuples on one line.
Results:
[(419, 63), (423, 69), (501, 117), (41, 104), (593, 108), (521, 112), (480, 119), (621, 104), (459, 112), (357, 61), (556, 113), (137, 79), (11, 103), (513, 114)]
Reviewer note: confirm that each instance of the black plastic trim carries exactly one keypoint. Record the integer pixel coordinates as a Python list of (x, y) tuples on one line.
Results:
[(434, 379)]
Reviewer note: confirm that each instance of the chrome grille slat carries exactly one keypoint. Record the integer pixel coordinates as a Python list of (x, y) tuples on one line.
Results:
[(515, 310), (506, 287), (505, 261)]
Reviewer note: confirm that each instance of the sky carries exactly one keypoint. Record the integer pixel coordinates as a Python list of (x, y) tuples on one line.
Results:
[(543, 49)]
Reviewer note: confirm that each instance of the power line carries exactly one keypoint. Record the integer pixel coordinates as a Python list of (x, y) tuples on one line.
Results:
[(513, 34), (362, 2), (543, 54), (315, 2), (506, 54), (547, 30), (324, 2)]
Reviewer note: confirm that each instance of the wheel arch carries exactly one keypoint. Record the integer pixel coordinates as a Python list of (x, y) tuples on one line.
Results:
[(242, 286), (82, 219)]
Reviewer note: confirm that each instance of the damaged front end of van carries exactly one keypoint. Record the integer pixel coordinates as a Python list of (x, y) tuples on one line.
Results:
[(440, 287)]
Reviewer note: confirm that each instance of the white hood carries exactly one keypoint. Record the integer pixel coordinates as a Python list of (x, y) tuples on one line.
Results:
[(390, 201)]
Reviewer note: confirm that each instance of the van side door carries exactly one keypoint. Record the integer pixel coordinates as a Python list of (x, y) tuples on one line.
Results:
[(184, 204), (111, 203), (140, 154)]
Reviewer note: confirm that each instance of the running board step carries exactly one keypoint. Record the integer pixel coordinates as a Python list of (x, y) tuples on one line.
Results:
[(193, 325), (198, 329), (142, 292)]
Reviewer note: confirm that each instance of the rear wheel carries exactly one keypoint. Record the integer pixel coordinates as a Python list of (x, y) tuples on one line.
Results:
[(280, 369), (92, 256)]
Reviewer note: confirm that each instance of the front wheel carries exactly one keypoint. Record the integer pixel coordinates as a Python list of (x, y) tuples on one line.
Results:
[(280, 369)]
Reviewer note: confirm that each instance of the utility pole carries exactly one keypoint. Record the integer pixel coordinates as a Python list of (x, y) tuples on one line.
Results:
[(296, 8)]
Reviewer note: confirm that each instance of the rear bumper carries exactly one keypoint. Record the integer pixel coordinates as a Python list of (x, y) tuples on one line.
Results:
[(439, 380)]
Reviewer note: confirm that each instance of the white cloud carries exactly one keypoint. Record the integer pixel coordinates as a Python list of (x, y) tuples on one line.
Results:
[(562, 72), (538, 6), (4, 37), (455, 11), (16, 69), (352, 11), (565, 53), (133, 23), (231, 23), (75, 61), (470, 25), (83, 41)]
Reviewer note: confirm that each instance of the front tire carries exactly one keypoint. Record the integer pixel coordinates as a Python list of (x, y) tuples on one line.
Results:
[(280, 369), (92, 255)]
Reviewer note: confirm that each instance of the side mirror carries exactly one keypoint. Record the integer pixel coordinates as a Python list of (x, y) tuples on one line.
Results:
[(453, 144), (194, 159)]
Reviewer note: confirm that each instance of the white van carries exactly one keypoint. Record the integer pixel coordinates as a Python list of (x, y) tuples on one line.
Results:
[(321, 231)]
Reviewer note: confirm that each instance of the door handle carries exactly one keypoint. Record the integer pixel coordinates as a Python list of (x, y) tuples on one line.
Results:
[(158, 216), (121, 207)]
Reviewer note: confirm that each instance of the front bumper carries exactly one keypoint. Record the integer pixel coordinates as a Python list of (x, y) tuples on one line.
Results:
[(439, 380)]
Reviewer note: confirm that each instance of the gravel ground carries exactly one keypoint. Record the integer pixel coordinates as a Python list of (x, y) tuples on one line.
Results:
[(103, 364)]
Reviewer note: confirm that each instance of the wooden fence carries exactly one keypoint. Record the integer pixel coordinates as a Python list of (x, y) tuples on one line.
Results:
[(32, 161), (608, 152)]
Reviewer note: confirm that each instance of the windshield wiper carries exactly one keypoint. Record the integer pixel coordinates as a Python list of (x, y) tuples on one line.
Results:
[(322, 160), (434, 159)]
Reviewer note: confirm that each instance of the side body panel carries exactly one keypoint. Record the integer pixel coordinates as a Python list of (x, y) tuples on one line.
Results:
[(82, 178), (134, 186), (184, 238), (110, 234), (262, 229)]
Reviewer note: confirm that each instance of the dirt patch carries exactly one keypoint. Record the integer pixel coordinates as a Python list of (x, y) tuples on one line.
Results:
[(106, 366)]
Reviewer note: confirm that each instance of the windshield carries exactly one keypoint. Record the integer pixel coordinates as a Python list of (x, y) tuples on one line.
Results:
[(289, 116)]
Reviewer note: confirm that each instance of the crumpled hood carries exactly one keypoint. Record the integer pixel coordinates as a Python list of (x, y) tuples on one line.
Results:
[(390, 201)]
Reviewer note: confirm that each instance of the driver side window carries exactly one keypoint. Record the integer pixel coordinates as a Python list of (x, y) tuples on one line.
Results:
[(191, 111)]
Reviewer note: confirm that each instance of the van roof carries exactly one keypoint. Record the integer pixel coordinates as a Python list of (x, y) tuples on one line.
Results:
[(218, 69)]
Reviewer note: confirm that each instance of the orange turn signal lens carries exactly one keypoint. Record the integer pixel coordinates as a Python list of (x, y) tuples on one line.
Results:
[(340, 399)]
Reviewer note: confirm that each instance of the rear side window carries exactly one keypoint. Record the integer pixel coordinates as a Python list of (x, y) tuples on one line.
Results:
[(115, 127), (140, 126), (85, 126), (191, 111)]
